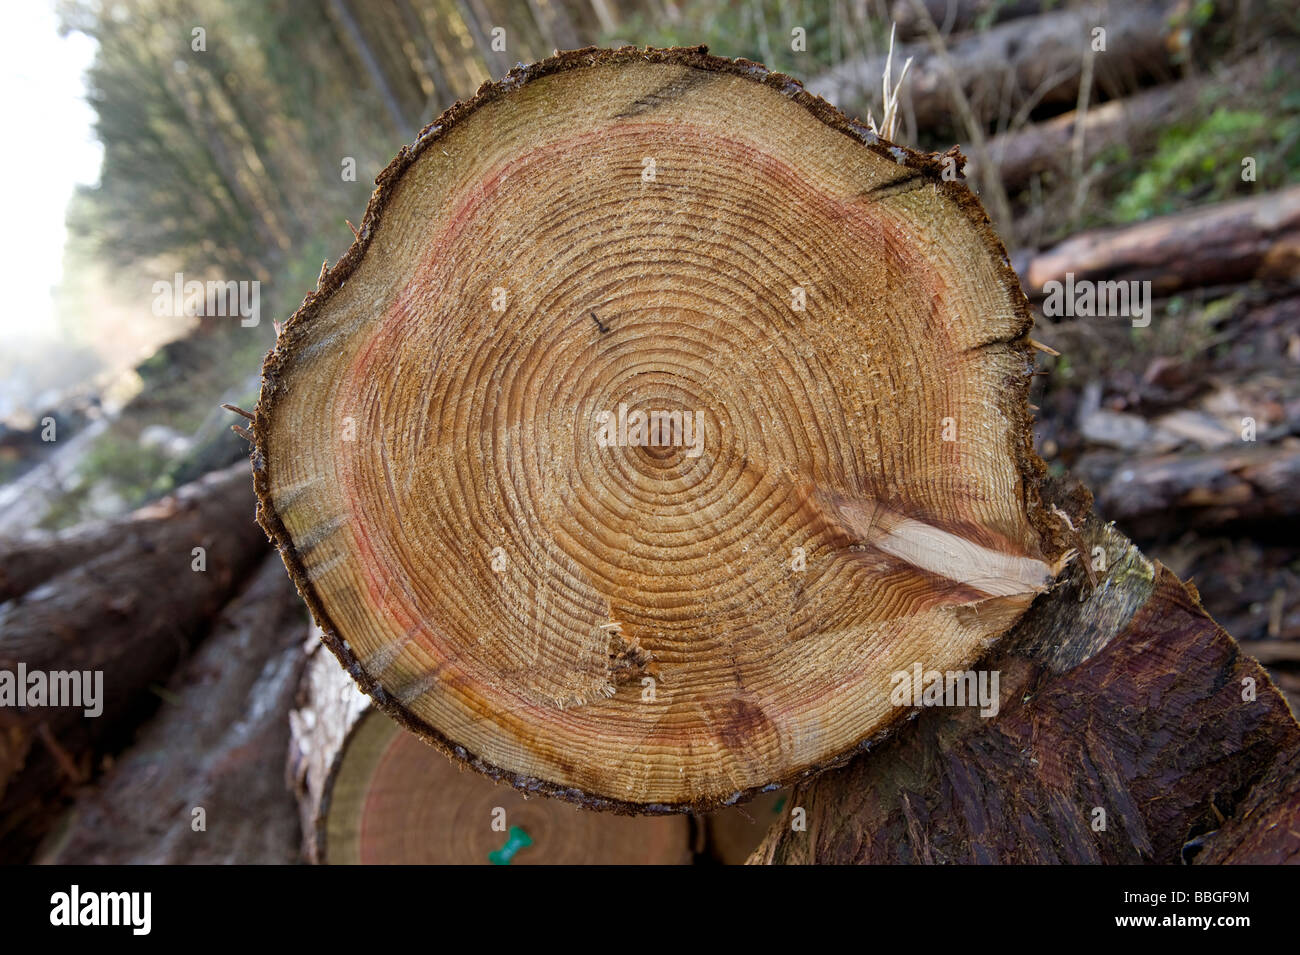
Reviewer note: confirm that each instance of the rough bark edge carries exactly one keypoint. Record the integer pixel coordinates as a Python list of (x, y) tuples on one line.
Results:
[(1029, 467)]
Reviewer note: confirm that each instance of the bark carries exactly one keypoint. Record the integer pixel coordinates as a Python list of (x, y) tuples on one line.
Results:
[(95, 615), (1126, 698), (369, 792), (1015, 66), (213, 745), (636, 626), (1049, 147)]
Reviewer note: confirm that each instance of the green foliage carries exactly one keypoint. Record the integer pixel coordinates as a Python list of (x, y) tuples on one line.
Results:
[(132, 470), (1202, 161)]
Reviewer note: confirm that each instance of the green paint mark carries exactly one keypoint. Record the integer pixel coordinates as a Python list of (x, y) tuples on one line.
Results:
[(516, 839)]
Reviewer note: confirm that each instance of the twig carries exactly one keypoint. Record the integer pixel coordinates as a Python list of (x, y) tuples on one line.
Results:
[(994, 193)]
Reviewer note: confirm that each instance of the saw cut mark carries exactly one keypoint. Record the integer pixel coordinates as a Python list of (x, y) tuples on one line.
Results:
[(679, 86)]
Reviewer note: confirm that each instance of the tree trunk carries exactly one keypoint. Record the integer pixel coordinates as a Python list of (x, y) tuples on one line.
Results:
[(1016, 65), (199, 784), (95, 616), (833, 352), (374, 68), (956, 15), (1131, 729), (1222, 244), (369, 792)]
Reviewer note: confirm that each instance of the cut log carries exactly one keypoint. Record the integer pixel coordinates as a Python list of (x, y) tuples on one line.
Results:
[(1018, 64), (369, 792), (1130, 729), (731, 835), (199, 784), (1222, 244), (640, 504), (94, 617)]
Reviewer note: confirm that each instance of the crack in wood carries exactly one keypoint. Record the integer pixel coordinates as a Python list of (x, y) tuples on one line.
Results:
[(675, 88)]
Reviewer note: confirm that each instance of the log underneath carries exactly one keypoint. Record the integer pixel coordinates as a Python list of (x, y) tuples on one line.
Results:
[(94, 616), (371, 793), (1125, 706), (658, 414), (214, 746)]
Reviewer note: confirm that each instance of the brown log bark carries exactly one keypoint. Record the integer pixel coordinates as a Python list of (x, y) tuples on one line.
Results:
[(1038, 58), (1123, 706), (1222, 244), (95, 616), (369, 792), (215, 745), (1130, 121)]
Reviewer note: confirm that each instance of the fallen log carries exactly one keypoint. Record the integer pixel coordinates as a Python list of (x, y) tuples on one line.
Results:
[(108, 627), (1223, 244), (1014, 65), (1244, 484), (199, 785), (1131, 729), (369, 792), (958, 15), (1048, 147), (643, 513)]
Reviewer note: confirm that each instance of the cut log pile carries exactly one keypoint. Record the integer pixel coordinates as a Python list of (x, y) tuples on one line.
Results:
[(123, 602), (371, 793), (650, 617), (646, 507)]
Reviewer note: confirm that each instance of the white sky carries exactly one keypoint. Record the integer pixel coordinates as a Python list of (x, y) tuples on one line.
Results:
[(48, 139)]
